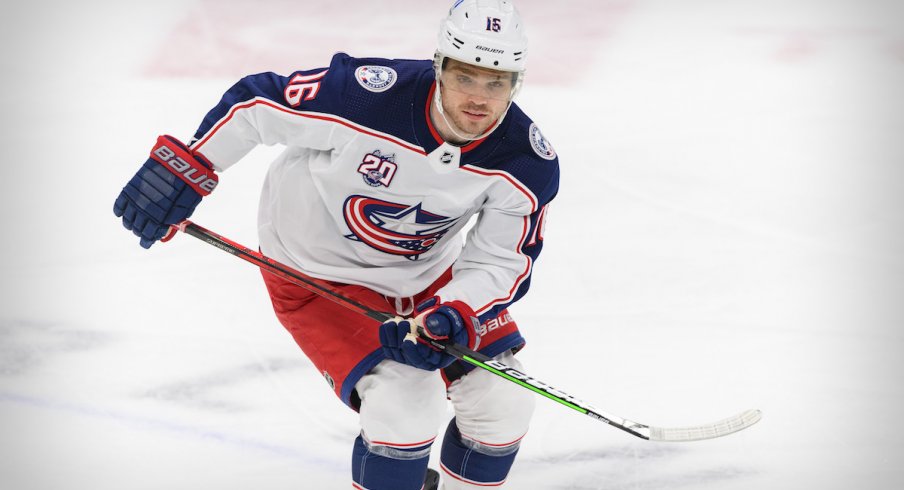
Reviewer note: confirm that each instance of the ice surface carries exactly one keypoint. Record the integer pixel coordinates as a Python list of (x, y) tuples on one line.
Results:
[(728, 235)]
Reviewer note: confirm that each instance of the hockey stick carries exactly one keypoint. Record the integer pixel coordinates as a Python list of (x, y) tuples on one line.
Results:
[(323, 288)]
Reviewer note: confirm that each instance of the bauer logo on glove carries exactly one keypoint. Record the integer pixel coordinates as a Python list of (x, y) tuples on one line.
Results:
[(164, 191), (176, 161)]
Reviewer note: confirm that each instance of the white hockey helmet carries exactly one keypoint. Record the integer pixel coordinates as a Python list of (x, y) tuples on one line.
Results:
[(485, 33)]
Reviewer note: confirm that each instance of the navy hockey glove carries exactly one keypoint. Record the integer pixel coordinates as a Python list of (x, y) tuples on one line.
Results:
[(446, 322), (164, 191)]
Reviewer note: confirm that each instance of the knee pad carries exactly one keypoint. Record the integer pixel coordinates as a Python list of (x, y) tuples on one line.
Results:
[(492, 412), (401, 406), (481, 443)]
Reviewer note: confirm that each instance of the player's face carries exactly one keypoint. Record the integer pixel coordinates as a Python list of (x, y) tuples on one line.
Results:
[(473, 97)]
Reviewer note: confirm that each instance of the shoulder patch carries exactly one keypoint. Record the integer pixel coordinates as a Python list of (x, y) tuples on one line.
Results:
[(376, 78), (540, 144)]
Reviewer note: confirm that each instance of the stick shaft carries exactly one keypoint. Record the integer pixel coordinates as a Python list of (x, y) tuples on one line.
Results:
[(460, 352), (476, 359)]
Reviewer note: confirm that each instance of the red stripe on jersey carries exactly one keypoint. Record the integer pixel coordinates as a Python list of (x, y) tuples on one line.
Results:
[(505, 175), (310, 115), (519, 279)]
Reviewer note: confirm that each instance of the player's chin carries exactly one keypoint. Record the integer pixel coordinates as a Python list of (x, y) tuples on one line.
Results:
[(473, 129)]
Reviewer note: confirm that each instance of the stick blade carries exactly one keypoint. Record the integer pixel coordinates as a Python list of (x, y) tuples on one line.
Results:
[(721, 428)]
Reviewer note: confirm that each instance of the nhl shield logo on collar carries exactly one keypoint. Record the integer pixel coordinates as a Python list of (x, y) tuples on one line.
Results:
[(447, 158), (376, 78)]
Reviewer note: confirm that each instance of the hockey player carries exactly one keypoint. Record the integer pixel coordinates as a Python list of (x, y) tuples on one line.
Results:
[(385, 163)]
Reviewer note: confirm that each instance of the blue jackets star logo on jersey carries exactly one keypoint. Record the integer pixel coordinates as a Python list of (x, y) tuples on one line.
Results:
[(396, 229)]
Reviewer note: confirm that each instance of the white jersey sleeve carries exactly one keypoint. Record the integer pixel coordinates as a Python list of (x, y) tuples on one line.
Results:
[(495, 265), (267, 109)]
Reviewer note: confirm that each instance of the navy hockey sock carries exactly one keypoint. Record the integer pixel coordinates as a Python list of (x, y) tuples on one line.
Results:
[(475, 462), (389, 468)]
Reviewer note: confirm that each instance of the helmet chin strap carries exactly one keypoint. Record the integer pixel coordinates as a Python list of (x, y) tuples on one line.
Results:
[(438, 100)]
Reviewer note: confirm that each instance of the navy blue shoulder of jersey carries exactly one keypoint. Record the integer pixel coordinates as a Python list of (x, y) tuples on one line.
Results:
[(395, 109), (381, 100), (518, 148), (271, 88)]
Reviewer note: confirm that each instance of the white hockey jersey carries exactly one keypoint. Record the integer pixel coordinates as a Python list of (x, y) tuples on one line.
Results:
[(367, 193)]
